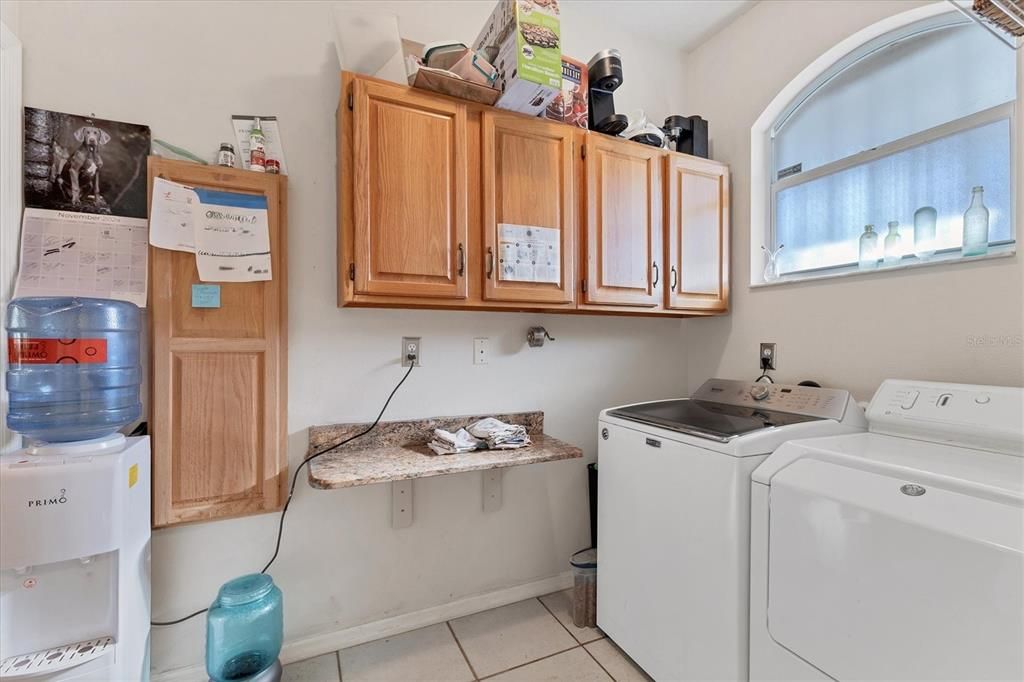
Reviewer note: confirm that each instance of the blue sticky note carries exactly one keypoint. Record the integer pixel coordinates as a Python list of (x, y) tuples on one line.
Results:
[(205, 295)]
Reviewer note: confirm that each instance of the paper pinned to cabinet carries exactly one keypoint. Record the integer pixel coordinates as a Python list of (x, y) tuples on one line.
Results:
[(228, 231), (170, 222), (529, 253), (232, 236)]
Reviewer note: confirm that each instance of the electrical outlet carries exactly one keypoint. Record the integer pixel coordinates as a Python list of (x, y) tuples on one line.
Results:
[(768, 353), (411, 346), (481, 350)]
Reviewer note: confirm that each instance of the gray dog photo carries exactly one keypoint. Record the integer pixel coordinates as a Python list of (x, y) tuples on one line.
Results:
[(85, 164)]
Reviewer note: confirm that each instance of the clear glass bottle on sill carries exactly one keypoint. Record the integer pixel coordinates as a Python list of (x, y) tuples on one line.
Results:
[(893, 245), (771, 266), (925, 219), (976, 225), (868, 249)]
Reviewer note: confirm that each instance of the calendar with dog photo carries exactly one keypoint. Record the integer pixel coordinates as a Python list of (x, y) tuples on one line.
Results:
[(85, 164)]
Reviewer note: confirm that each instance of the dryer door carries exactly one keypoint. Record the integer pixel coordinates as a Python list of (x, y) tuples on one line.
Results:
[(868, 581)]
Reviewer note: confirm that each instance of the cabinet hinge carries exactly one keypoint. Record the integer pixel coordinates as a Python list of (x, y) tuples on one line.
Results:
[(351, 101), (583, 151), (583, 285), (352, 271)]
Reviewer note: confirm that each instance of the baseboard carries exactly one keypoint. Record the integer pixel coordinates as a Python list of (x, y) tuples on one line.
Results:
[(326, 642)]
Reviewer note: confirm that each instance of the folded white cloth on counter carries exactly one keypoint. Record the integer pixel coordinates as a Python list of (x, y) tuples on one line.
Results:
[(489, 434), (448, 443), (499, 435)]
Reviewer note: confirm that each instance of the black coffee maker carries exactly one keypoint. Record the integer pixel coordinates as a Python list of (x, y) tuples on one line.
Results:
[(687, 134), (605, 73)]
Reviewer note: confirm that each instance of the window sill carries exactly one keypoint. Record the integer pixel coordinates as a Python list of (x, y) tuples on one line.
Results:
[(1001, 251)]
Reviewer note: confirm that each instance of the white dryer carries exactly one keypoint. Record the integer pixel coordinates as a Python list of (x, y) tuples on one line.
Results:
[(896, 554), (674, 514)]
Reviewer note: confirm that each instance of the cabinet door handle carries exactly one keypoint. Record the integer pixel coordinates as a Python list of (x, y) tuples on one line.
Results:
[(490, 261), (657, 274), (462, 260), (675, 276)]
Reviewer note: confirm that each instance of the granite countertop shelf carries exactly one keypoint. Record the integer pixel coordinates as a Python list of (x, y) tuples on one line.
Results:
[(397, 451)]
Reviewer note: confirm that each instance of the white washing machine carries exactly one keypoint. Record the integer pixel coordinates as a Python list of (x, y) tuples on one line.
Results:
[(895, 554), (674, 517)]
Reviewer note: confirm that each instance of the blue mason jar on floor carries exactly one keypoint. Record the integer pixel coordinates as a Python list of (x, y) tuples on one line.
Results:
[(244, 629)]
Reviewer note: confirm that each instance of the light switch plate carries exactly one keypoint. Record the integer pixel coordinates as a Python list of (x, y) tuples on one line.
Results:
[(481, 350)]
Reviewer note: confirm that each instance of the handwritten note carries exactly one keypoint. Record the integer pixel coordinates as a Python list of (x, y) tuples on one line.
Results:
[(170, 221), (232, 237)]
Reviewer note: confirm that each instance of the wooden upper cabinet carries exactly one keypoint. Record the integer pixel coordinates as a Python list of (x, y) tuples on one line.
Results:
[(527, 180), (410, 193), (219, 389), (427, 185), (698, 234), (623, 236)]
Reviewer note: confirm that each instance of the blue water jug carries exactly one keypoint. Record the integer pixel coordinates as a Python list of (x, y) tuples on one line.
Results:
[(244, 628), (73, 367)]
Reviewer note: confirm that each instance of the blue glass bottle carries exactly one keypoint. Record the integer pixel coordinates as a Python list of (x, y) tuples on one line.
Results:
[(244, 628)]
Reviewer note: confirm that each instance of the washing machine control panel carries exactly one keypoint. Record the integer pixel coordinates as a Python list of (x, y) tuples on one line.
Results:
[(987, 417), (824, 403)]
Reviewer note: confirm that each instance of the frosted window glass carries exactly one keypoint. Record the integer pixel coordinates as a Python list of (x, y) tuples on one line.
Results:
[(820, 221), (912, 85)]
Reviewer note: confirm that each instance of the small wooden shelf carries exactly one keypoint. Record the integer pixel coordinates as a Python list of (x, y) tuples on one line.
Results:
[(397, 451)]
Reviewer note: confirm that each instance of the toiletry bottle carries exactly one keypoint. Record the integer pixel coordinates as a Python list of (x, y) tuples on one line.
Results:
[(893, 245), (868, 249), (257, 148), (976, 225)]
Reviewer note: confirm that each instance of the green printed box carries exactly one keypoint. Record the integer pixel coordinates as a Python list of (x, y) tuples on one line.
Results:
[(527, 34)]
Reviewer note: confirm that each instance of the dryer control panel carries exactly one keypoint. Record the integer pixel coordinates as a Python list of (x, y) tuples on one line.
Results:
[(823, 403), (982, 417)]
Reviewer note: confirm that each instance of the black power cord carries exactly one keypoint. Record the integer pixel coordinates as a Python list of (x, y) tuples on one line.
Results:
[(295, 477), (765, 364)]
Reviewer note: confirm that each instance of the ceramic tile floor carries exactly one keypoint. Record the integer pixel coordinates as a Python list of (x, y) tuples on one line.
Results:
[(529, 641)]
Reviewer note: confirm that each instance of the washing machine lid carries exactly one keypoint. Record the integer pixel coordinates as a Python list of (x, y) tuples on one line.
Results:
[(724, 409), (906, 569), (703, 419)]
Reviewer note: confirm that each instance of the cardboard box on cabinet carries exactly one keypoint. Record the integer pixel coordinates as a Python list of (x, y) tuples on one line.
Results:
[(527, 34)]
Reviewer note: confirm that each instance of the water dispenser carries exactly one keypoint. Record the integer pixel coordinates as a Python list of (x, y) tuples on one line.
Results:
[(75, 502)]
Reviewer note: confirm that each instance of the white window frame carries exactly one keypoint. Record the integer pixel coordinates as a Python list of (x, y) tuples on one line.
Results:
[(862, 44)]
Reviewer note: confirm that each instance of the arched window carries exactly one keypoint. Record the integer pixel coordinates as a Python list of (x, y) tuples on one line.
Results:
[(914, 118)]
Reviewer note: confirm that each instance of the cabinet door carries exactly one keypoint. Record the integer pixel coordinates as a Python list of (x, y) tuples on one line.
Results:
[(528, 183), (623, 249), (410, 193), (698, 234), (219, 406)]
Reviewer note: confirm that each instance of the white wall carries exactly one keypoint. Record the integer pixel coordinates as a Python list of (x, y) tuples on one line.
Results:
[(184, 68), (855, 332)]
